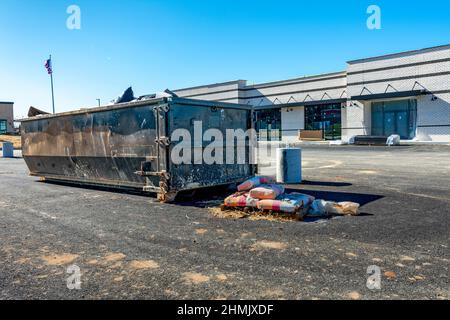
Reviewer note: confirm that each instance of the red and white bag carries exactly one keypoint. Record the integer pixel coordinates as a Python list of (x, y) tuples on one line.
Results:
[(267, 192), (240, 200), (255, 182), (289, 203)]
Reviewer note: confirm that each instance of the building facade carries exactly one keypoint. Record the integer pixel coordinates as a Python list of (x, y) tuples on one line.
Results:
[(6, 117), (406, 94)]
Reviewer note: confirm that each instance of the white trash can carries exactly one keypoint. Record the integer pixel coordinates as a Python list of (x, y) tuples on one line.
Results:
[(289, 165), (7, 150)]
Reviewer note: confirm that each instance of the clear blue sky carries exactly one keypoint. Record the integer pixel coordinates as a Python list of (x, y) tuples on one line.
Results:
[(154, 45)]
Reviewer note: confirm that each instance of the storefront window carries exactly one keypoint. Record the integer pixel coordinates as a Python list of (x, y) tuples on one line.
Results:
[(3, 126), (268, 124), (326, 118), (394, 117)]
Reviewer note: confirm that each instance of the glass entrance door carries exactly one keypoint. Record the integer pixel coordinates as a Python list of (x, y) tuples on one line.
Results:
[(389, 123), (394, 117), (402, 123), (331, 118)]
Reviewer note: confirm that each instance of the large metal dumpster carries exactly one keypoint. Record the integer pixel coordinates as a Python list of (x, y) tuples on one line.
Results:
[(129, 145)]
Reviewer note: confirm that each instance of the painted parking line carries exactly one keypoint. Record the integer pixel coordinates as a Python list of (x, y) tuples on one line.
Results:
[(333, 164)]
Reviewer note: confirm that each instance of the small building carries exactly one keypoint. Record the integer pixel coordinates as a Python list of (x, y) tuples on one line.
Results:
[(406, 93), (6, 117)]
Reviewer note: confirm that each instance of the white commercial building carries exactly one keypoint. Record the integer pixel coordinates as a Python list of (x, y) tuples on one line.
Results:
[(6, 117), (406, 94)]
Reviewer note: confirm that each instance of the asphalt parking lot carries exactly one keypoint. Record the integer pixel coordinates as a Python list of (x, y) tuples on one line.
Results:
[(129, 246)]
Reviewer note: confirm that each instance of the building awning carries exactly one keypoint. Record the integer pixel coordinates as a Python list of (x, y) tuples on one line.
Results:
[(391, 95), (301, 104)]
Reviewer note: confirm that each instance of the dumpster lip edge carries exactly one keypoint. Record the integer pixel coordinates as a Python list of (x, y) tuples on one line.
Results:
[(156, 101)]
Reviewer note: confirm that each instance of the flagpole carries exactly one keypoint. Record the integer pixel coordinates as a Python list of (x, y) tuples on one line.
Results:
[(51, 80)]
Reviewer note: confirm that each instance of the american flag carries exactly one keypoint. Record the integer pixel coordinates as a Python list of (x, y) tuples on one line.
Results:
[(48, 66)]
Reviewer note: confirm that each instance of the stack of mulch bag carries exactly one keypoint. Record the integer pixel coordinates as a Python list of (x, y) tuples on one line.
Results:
[(263, 194)]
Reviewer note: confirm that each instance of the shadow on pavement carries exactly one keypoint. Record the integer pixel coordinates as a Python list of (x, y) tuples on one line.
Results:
[(361, 198), (204, 198), (81, 186), (326, 183)]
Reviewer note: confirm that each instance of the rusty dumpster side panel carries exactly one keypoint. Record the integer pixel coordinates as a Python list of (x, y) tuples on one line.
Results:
[(102, 147), (128, 146)]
